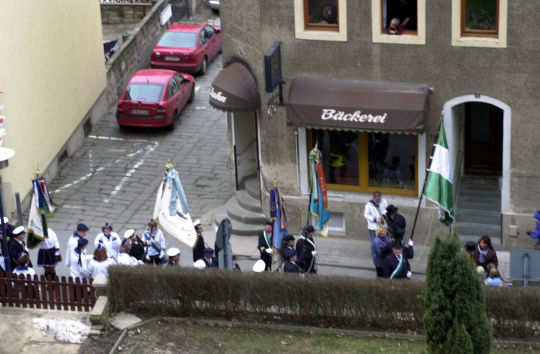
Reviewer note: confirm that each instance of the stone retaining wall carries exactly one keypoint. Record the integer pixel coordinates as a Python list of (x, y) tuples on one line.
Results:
[(124, 12), (135, 52)]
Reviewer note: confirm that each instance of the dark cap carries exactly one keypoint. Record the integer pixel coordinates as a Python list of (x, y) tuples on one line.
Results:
[(82, 227), (309, 229), (391, 210), (208, 251), (234, 257), (288, 253), (397, 245), (82, 242), (106, 226), (469, 246), (288, 238)]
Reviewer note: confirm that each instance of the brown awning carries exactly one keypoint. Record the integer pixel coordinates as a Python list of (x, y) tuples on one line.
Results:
[(234, 89), (358, 105)]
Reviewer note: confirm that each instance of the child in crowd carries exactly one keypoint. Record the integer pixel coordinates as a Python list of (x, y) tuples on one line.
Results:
[(494, 278)]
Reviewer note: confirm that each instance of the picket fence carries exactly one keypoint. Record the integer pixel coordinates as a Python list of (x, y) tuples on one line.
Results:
[(41, 293)]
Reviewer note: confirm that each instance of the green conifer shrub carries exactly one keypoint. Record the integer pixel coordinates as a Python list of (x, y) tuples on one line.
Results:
[(455, 317)]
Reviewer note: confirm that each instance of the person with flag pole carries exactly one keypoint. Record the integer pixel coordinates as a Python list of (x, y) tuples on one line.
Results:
[(438, 186), (279, 227), (318, 204), (38, 232)]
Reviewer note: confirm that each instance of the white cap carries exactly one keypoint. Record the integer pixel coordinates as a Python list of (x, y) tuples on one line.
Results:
[(6, 220), (259, 266), (173, 252), (199, 264), (129, 233), (18, 230), (196, 223)]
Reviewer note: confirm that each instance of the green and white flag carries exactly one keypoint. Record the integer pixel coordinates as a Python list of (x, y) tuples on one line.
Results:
[(439, 185)]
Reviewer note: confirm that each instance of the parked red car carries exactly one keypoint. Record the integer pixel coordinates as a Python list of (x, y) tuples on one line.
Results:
[(154, 98), (187, 48)]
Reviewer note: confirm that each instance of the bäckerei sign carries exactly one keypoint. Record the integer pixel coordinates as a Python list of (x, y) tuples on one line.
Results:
[(357, 116), (357, 105)]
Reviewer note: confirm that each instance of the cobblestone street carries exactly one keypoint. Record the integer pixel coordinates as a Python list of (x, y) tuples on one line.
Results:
[(114, 175)]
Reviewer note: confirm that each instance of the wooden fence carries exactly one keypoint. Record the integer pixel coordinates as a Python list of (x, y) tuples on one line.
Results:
[(41, 293)]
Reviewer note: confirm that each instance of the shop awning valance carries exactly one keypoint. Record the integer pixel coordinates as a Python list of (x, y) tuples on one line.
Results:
[(358, 105), (234, 89)]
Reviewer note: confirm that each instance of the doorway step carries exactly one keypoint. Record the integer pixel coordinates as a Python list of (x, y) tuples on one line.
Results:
[(244, 210), (478, 209)]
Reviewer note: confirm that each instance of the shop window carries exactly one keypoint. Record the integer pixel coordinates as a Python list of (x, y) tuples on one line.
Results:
[(479, 18), (399, 16), (321, 15), (392, 161), (366, 162)]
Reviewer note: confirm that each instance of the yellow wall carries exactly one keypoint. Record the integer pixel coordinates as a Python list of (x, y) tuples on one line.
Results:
[(52, 71)]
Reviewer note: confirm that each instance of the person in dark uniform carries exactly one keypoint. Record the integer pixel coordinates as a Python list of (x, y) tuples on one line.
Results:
[(396, 223), (305, 247), (265, 245), (173, 254), (235, 265), (17, 246), (9, 229), (288, 242), (396, 264), (290, 265), (137, 245), (198, 249), (209, 258)]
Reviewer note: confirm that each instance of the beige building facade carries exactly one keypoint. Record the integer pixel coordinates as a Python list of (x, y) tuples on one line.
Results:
[(52, 73)]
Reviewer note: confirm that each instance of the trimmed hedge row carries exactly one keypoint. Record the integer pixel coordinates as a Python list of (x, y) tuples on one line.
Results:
[(326, 301)]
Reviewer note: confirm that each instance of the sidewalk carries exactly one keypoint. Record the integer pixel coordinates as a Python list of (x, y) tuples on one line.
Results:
[(344, 252)]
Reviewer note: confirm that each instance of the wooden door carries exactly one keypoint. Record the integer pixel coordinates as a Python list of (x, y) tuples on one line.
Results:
[(483, 139)]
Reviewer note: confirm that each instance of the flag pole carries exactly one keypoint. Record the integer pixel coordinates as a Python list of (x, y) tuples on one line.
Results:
[(424, 185)]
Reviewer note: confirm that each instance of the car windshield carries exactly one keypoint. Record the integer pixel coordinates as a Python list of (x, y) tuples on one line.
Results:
[(144, 92), (178, 39)]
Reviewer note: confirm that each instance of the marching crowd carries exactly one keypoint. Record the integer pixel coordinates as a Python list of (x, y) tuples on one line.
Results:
[(386, 227)]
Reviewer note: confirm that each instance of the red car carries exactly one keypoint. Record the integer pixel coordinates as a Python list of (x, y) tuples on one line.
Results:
[(154, 98), (187, 48)]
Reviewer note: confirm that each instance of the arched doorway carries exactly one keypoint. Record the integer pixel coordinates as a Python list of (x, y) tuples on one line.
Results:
[(478, 130)]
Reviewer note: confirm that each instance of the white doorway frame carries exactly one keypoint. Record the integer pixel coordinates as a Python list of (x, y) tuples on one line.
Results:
[(507, 134)]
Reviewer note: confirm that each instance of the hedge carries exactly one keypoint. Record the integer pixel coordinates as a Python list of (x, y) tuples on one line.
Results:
[(325, 301)]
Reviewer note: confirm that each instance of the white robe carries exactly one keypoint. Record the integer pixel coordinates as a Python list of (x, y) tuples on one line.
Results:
[(127, 260), (79, 270), (96, 267), (112, 244)]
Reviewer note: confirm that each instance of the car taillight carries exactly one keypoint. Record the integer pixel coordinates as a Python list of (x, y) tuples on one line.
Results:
[(120, 109), (161, 110)]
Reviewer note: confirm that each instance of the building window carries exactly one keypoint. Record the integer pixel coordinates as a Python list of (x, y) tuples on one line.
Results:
[(365, 162), (321, 15), (323, 20), (399, 16), (479, 23), (399, 21), (479, 18)]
